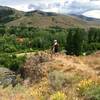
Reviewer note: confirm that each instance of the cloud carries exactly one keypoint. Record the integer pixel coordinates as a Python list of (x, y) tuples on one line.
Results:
[(93, 13), (79, 7), (58, 6), (67, 6), (52, 7)]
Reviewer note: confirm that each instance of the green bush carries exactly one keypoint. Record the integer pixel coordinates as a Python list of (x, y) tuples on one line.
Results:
[(11, 61), (89, 89), (9, 49), (93, 93), (58, 80)]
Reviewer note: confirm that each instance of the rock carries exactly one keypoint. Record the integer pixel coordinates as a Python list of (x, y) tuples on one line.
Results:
[(7, 77), (5, 72)]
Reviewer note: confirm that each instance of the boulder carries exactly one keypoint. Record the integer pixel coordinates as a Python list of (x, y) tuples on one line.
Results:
[(7, 77)]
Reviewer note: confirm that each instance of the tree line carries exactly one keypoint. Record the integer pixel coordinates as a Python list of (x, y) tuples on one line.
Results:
[(75, 41)]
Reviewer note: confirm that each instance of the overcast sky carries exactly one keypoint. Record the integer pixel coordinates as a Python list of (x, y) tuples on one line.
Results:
[(89, 8)]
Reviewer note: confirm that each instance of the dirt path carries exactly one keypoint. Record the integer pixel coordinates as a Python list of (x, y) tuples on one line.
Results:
[(28, 54)]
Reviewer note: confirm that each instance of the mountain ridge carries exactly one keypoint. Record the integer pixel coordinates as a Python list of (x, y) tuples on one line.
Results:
[(37, 18)]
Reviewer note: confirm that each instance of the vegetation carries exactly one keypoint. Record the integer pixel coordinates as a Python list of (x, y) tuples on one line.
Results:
[(89, 89), (76, 41), (17, 39), (80, 41), (57, 80), (11, 61), (93, 92), (44, 77), (12, 17), (58, 96)]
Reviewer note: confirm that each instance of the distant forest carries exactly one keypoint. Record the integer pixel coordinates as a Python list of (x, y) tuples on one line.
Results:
[(75, 41)]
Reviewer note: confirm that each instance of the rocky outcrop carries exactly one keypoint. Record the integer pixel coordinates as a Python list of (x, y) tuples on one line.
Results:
[(7, 77)]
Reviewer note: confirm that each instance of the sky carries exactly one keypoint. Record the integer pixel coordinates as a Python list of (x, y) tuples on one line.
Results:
[(89, 8)]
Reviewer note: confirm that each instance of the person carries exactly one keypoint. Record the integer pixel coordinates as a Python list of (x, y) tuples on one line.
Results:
[(55, 48)]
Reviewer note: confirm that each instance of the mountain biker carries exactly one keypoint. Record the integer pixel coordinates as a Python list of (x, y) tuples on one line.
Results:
[(55, 48)]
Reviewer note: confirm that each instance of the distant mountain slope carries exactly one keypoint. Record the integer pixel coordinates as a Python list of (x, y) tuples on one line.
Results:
[(8, 14), (12, 17), (43, 20)]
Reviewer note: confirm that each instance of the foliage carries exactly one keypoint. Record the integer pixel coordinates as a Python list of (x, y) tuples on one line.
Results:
[(11, 61), (75, 41), (94, 35), (59, 80), (69, 43), (90, 89), (15, 39), (93, 93), (84, 85), (58, 96), (33, 67), (39, 90)]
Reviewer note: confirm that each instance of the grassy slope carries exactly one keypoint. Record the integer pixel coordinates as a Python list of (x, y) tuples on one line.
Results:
[(76, 69), (12, 17), (38, 20)]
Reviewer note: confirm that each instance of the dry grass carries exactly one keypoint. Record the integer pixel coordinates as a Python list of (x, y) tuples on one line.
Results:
[(74, 68)]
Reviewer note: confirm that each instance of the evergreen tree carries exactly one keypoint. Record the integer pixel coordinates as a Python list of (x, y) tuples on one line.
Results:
[(78, 40), (69, 44), (75, 41)]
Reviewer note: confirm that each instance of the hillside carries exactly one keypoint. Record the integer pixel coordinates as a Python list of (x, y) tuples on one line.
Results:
[(8, 14), (56, 77), (12, 17)]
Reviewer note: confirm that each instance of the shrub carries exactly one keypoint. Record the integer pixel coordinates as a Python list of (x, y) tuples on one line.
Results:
[(89, 89), (11, 61), (9, 49), (34, 67), (57, 79), (93, 93), (58, 96), (16, 62), (84, 85)]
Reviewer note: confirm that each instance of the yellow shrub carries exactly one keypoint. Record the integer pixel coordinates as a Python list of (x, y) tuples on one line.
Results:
[(38, 91), (58, 96), (85, 85)]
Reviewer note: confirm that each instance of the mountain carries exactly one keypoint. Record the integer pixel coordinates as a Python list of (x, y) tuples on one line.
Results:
[(12, 17), (8, 14)]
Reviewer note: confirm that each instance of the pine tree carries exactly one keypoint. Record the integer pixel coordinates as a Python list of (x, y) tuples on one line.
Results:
[(69, 44), (78, 39), (75, 41)]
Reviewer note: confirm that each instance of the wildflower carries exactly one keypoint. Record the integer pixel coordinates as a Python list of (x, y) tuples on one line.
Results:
[(58, 96), (85, 85)]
